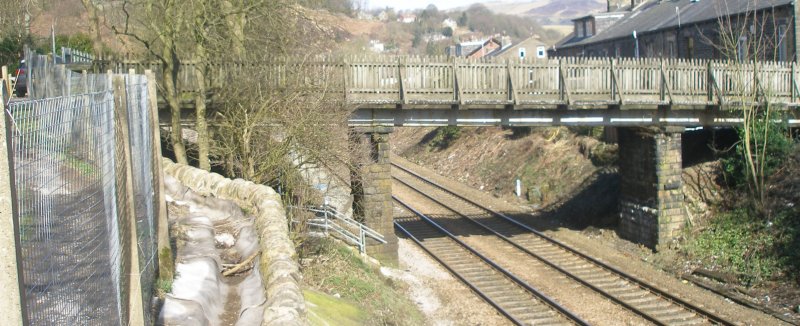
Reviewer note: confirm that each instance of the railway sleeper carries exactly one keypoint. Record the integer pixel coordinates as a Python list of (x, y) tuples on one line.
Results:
[(547, 321), (521, 309), (541, 315), (594, 276), (437, 242), (461, 262), (573, 264), (451, 255), (471, 270), (609, 285), (678, 317), (627, 297), (485, 279), (512, 300), (642, 301), (693, 321), (586, 269), (506, 294), (654, 306), (621, 290), (667, 313)]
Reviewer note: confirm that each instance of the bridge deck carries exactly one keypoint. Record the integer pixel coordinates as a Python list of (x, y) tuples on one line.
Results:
[(567, 91)]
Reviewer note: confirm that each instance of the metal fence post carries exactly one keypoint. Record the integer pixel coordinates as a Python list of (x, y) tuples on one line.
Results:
[(325, 212), (11, 307), (362, 238)]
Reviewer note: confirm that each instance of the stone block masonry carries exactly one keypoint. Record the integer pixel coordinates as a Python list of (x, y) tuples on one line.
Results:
[(372, 192), (651, 194)]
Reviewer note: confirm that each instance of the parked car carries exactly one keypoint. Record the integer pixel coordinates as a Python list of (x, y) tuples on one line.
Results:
[(21, 88)]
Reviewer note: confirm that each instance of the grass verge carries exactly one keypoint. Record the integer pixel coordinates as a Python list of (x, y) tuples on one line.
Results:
[(750, 248), (334, 269)]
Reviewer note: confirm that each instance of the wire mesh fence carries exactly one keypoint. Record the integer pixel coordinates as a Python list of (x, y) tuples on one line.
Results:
[(83, 169)]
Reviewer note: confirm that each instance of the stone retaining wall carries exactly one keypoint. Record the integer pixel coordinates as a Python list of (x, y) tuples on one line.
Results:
[(280, 271)]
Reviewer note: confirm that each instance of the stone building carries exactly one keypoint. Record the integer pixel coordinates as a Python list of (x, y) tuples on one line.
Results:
[(705, 29), (532, 48)]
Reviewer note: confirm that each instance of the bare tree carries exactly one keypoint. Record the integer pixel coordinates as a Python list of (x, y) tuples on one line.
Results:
[(750, 41), (94, 8)]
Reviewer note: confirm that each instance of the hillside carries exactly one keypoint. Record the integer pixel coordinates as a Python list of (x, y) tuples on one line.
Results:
[(554, 164), (546, 12)]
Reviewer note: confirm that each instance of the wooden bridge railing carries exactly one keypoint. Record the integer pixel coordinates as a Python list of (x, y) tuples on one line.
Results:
[(392, 81)]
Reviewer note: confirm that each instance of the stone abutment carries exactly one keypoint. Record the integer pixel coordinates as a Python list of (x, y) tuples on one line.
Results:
[(651, 192)]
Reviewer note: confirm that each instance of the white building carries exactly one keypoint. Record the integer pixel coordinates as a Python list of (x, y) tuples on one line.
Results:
[(449, 23), (376, 46)]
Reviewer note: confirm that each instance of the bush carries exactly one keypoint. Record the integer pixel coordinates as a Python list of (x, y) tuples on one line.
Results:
[(444, 137), (778, 146), (79, 41), (10, 52)]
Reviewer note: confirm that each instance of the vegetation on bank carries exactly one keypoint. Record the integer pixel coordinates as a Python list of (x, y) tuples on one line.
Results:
[(755, 235), (336, 270), (753, 250)]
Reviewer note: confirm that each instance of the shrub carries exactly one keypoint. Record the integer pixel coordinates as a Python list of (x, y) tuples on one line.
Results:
[(444, 137), (778, 146)]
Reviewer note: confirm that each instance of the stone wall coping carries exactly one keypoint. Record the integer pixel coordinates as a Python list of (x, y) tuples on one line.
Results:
[(277, 264)]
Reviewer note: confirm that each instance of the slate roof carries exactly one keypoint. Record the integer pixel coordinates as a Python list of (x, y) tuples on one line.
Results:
[(660, 14)]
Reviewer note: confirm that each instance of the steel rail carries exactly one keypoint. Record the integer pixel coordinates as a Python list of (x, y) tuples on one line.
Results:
[(640, 283), (516, 280)]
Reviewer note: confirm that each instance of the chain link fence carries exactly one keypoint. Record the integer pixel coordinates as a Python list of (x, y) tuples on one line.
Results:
[(83, 164)]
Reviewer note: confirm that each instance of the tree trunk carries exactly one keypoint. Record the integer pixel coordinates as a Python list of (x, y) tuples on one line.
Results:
[(94, 26), (236, 23), (203, 141), (171, 66)]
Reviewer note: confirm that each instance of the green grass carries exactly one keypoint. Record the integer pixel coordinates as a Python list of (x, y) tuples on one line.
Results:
[(335, 269), (736, 242), (77, 164), (325, 309)]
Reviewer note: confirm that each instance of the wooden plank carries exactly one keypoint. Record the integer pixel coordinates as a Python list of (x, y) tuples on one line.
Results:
[(402, 89), (512, 89), (665, 86)]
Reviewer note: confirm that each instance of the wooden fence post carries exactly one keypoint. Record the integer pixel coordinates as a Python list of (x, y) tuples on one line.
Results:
[(125, 199), (166, 266), (12, 308)]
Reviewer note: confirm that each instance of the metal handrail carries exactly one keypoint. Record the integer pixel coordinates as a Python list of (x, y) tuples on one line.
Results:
[(329, 220)]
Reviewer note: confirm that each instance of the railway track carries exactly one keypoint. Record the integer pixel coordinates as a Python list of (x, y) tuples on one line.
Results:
[(511, 296), (640, 297)]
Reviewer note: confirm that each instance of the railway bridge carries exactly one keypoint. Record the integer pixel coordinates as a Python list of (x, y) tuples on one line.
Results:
[(649, 101)]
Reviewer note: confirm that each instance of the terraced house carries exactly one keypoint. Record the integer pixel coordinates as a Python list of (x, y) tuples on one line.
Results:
[(704, 29)]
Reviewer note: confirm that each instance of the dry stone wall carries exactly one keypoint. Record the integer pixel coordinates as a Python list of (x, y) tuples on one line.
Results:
[(280, 271)]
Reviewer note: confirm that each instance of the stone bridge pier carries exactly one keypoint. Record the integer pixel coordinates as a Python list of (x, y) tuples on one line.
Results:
[(651, 194), (371, 184)]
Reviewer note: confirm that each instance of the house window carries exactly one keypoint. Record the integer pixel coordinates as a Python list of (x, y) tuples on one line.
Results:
[(671, 47), (741, 49), (522, 53), (579, 28), (690, 47), (540, 52), (782, 43)]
